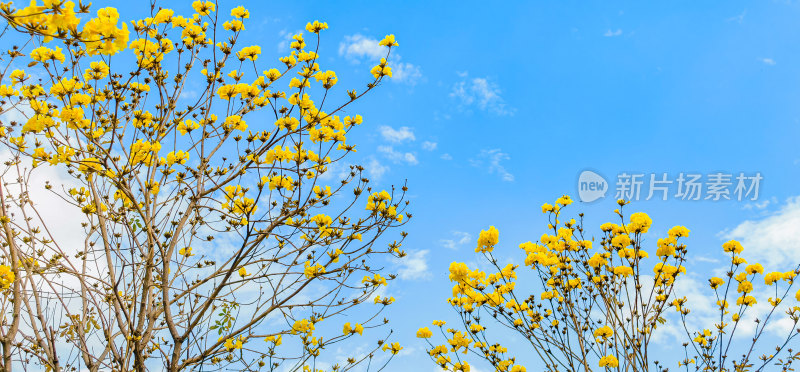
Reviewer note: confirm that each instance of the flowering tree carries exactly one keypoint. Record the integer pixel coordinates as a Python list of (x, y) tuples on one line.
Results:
[(211, 234), (598, 308)]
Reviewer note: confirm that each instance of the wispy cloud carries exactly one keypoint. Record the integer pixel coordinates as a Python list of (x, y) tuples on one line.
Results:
[(376, 169), (760, 205), (775, 239), (738, 18), (398, 156), (406, 73), (429, 146), (615, 33), (397, 135), (286, 40), (414, 266), (480, 93), (359, 48), (768, 61), (492, 160), (458, 238), (18, 114)]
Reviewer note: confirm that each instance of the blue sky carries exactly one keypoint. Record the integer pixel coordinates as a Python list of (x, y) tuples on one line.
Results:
[(496, 108)]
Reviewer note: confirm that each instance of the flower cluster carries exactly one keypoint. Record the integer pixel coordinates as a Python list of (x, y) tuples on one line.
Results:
[(600, 300), (201, 173)]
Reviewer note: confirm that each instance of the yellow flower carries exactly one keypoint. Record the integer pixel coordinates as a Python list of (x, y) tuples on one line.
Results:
[(388, 41), (487, 239), (394, 348), (623, 271), (277, 340), (347, 329), (316, 26), (44, 54), (313, 271), (243, 272), (302, 326), (678, 231), (640, 222), (745, 287), (6, 277), (715, 282), (458, 272), (597, 260), (96, 71), (235, 122), (424, 332), (204, 7), (187, 126), (186, 252), (178, 157), (621, 241), (732, 246), (164, 16), (240, 12), (754, 268), (376, 280), (746, 300), (379, 71), (564, 200), (609, 361), (250, 53), (233, 344), (604, 332), (772, 277)]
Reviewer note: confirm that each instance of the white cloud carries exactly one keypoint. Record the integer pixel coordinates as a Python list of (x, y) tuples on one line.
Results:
[(337, 170), (414, 266), (773, 240), (491, 160), (359, 48), (446, 156), (441, 116), (406, 72), (397, 135), (738, 18), (480, 93), (60, 221), (610, 33), (286, 40), (428, 145), (760, 205), (375, 169), (397, 156), (18, 113), (705, 259), (768, 61), (459, 238), (189, 94)]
